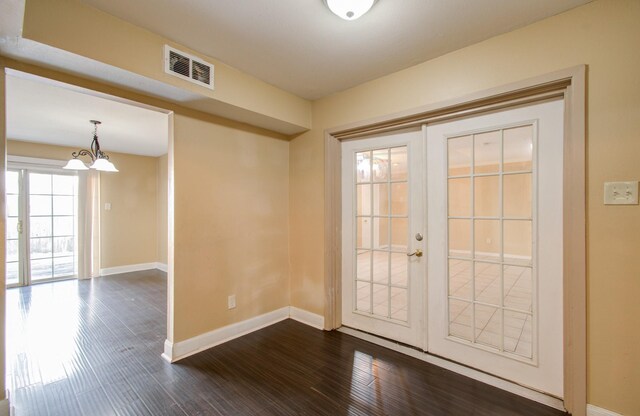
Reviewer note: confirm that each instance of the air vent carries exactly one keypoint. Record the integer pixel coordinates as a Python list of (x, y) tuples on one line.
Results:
[(185, 66)]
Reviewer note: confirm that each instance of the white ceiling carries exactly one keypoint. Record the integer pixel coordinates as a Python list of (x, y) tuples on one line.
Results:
[(301, 47), (45, 111)]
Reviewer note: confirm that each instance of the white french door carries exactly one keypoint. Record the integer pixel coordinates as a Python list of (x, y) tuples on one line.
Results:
[(482, 197), (41, 236), (495, 243), (383, 223)]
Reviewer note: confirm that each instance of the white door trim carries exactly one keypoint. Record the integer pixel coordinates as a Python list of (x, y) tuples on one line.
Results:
[(569, 84)]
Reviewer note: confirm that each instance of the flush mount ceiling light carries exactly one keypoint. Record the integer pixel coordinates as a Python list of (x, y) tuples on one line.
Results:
[(349, 9), (100, 161)]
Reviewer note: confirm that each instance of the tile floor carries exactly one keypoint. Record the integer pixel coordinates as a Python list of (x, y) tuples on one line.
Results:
[(380, 298), (488, 316)]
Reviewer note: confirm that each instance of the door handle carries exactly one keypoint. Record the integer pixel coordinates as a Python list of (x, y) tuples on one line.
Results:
[(417, 253), (19, 227)]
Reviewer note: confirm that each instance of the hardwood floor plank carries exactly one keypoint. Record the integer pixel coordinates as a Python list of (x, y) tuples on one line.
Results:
[(107, 362)]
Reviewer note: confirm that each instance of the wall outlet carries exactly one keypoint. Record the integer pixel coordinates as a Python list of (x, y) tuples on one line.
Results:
[(621, 193), (107, 206), (231, 302)]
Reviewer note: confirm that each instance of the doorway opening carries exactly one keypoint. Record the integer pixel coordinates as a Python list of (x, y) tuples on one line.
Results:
[(71, 235)]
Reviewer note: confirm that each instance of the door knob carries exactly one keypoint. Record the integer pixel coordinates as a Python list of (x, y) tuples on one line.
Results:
[(417, 253)]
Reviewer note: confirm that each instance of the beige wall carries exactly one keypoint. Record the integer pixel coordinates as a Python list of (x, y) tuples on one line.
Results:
[(128, 232), (78, 28), (603, 35), (231, 224), (162, 190)]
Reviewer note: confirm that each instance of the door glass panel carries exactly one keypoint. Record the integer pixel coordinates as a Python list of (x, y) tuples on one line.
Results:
[(12, 204), (63, 226), (518, 334), (64, 184), (40, 204), (381, 266), (490, 221), (381, 233), (487, 239), (363, 199), (40, 248), (486, 201), (41, 268), (39, 184), (518, 288), (460, 155), (12, 273), (460, 279), (380, 165), (399, 272), (363, 166), (517, 196), (12, 228), (518, 149), (460, 238), (486, 152), (63, 205), (380, 199), (382, 175), (459, 197), (488, 325), (381, 300), (399, 233), (63, 246), (399, 198), (487, 283), (63, 266), (363, 232), (460, 318), (517, 241), (399, 164), (40, 227), (363, 297), (363, 265)]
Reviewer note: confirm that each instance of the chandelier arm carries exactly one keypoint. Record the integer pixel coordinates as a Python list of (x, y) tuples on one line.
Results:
[(83, 152)]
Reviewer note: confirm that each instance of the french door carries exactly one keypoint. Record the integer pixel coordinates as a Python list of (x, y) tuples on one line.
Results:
[(41, 236), (383, 228), (484, 203)]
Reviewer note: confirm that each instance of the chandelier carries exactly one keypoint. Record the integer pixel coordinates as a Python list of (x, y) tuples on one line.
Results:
[(99, 160)]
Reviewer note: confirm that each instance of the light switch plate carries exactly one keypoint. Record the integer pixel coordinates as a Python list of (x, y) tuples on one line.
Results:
[(621, 193)]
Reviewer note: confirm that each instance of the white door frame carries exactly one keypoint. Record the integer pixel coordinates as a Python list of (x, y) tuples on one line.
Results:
[(568, 84)]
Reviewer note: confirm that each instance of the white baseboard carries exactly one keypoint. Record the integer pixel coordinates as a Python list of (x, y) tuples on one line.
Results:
[(460, 369), (179, 350), (162, 267), (306, 317), (132, 268), (598, 411)]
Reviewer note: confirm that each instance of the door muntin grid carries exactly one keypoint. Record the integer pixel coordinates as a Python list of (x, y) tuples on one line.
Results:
[(490, 268), (381, 197)]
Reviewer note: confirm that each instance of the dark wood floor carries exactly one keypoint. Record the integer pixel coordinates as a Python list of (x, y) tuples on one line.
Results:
[(93, 348)]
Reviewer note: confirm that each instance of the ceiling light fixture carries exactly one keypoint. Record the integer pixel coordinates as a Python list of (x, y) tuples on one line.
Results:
[(100, 161), (349, 9)]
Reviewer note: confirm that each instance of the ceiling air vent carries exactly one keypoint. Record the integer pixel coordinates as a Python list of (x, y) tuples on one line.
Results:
[(185, 66)]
